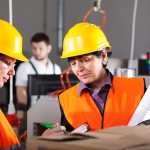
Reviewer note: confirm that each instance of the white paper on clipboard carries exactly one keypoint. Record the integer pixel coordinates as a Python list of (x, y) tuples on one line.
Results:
[(81, 129), (142, 112)]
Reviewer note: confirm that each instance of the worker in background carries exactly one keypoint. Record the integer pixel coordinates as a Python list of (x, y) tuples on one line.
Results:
[(10, 51), (39, 64), (101, 99)]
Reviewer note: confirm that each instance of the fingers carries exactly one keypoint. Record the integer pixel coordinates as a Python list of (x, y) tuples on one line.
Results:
[(56, 130), (141, 124), (56, 125), (47, 132)]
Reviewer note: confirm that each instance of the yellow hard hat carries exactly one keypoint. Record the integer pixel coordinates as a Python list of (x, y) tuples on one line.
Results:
[(11, 41), (84, 38)]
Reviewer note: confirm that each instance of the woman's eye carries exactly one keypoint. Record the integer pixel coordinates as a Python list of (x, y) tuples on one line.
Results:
[(8, 63), (72, 63), (86, 59)]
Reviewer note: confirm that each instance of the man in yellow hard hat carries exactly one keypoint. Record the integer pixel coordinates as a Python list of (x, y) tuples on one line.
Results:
[(10, 51), (100, 99)]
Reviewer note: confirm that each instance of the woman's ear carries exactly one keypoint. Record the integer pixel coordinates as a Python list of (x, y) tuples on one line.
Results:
[(104, 57)]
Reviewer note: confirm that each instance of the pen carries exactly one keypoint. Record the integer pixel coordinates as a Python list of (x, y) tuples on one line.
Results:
[(50, 126)]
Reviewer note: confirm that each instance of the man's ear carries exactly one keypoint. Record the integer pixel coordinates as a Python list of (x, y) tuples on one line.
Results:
[(49, 48)]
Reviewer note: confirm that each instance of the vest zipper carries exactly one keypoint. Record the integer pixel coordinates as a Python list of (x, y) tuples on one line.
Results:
[(104, 110)]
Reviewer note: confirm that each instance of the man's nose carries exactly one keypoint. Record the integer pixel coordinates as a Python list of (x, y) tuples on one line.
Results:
[(37, 51)]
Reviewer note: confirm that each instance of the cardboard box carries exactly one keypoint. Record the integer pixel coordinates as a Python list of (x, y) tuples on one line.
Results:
[(116, 138)]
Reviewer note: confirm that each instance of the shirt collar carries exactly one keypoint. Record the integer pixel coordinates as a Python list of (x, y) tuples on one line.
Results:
[(36, 62), (83, 86)]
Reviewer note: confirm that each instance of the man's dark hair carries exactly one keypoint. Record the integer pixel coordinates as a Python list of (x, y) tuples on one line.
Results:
[(39, 37)]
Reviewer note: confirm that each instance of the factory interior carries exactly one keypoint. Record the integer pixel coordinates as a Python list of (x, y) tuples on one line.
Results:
[(126, 25)]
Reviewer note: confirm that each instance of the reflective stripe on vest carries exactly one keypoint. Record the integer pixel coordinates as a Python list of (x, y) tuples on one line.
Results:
[(122, 100), (8, 137)]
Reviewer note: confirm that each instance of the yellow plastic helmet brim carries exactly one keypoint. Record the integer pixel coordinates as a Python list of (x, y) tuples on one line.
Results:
[(17, 56)]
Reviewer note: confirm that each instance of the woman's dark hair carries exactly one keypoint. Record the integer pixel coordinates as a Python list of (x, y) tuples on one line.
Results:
[(2, 55), (96, 53)]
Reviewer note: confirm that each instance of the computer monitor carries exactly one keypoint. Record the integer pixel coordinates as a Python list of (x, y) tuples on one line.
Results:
[(45, 84)]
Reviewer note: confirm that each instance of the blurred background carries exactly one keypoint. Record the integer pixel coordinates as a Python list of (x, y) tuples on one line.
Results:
[(55, 17)]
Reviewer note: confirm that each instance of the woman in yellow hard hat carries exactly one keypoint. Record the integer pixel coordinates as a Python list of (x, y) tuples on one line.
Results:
[(10, 51), (100, 99)]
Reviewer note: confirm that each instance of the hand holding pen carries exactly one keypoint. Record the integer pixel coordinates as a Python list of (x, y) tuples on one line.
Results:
[(53, 129)]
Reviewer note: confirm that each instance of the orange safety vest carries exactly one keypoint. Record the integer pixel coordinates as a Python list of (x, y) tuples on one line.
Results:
[(8, 137), (122, 100)]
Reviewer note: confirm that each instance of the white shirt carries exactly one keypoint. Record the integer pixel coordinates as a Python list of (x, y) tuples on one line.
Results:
[(26, 68)]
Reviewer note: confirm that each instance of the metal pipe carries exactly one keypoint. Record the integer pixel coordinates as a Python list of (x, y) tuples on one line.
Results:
[(11, 78), (60, 23)]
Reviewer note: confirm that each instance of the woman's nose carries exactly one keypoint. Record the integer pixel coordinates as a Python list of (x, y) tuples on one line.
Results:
[(11, 72), (79, 66)]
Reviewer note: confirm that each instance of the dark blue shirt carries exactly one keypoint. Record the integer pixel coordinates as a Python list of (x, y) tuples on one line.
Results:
[(99, 97)]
